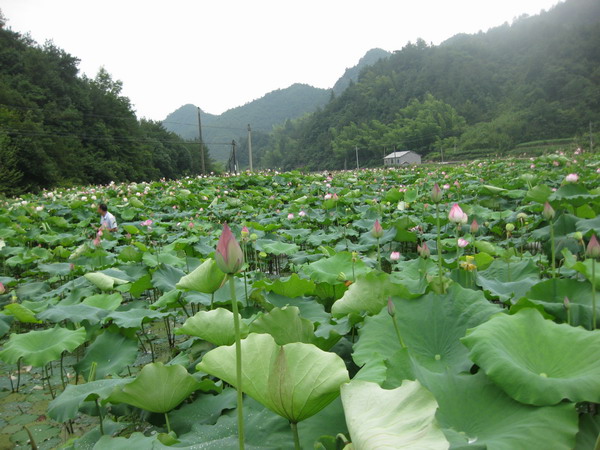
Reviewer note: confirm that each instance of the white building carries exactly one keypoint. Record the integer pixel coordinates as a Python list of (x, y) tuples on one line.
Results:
[(402, 158)]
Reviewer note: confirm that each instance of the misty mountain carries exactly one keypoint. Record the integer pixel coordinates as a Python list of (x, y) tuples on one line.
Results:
[(274, 108)]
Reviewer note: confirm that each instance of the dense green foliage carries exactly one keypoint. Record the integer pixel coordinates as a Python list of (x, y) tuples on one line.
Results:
[(60, 128), (538, 78), (353, 284)]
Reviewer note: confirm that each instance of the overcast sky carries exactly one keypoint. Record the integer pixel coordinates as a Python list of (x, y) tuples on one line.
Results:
[(220, 54)]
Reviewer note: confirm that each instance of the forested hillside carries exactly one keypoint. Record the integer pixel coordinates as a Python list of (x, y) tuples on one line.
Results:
[(60, 128), (536, 79)]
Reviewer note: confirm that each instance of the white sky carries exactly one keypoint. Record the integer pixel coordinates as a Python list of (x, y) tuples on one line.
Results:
[(220, 54)]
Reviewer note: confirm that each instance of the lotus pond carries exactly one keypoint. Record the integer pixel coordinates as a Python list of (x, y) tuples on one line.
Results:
[(422, 307)]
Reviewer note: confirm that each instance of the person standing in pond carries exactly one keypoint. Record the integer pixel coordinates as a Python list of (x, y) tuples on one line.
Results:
[(107, 220)]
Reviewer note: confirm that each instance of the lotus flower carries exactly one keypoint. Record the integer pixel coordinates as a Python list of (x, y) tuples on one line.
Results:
[(146, 223), (593, 248), (572, 178), (229, 256), (2, 289), (290, 216), (456, 215), (377, 230), (462, 242), (548, 211), (423, 251), (302, 214), (474, 227), (395, 256), (245, 231)]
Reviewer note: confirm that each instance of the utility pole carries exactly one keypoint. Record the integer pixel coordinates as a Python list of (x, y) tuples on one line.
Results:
[(591, 140), (234, 157), (250, 147), (201, 144), (356, 150)]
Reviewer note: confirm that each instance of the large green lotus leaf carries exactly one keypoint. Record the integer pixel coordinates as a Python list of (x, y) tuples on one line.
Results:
[(104, 301), (276, 247), (133, 318), (111, 352), (5, 323), (135, 441), (329, 270), (551, 295), (368, 294), (263, 430), (286, 326), (74, 314), (563, 226), (56, 269), (292, 286), (38, 348), (583, 267), (400, 418), (156, 259), (167, 300), (205, 409), (166, 277), (537, 361), (66, 405), (508, 280), (157, 388), (573, 193), (103, 281), (21, 313), (475, 413), (295, 380), (142, 284), (215, 326), (430, 326), (587, 225), (207, 278), (309, 309)]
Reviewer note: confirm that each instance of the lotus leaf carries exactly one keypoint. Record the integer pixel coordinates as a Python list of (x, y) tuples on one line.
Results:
[(400, 418), (39, 347), (67, 404), (294, 380), (537, 361), (103, 281), (112, 352), (157, 388), (214, 326), (491, 419), (205, 278)]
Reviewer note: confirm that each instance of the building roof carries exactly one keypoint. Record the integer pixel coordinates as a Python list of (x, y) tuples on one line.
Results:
[(397, 154)]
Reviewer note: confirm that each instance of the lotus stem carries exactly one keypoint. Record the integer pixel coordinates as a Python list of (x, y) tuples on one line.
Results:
[(402, 344), (238, 362), (439, 247), (100, 416), (552, 249), (168, 423), (294, 427), (378, 255), (593, 293), (18, 373)]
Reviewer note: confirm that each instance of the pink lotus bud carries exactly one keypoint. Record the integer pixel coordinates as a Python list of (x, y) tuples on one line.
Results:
[(566, 302), (395, 256), (99, 233), (377, 230), (456, 215), (462, 242), (72, 266), (593, 248), (96, 241), (191, 225), (474, 227), (301, 213), (548, 212), (436, 193), (245, 231), (424, 251), (229, 256), (290, 216), (2, 289), (327, 196), (572, 178), (146, 223), (391, 308), (335, 197)]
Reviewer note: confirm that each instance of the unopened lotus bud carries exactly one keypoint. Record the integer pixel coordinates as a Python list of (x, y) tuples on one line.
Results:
[(474, 227), (2, 289), (229, 256), (456, 214), (593, 248), (262, 254), (245, 231), (253, 237), (423, 250), (391, 308), (567, 303), (509, 227), (436, 193), (548, 213), (377, 230), (354, 256), (578, 236)]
